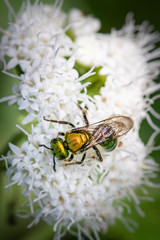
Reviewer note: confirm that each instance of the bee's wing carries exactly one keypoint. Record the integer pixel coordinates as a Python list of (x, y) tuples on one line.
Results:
[(112, 127), (120, 124)]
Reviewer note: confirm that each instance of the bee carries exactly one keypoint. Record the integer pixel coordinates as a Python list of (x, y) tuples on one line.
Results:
[(79, 140)]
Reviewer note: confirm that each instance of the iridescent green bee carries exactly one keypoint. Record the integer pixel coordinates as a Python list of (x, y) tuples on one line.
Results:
[(79, 140)]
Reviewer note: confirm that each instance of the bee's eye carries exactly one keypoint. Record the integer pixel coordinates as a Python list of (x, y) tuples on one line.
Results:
[(54, 140), (110, 144)]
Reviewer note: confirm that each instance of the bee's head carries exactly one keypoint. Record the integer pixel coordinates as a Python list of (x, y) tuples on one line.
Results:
[(60, 148)]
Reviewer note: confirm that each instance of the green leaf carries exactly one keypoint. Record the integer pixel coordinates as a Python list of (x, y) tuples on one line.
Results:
[(96, 81)]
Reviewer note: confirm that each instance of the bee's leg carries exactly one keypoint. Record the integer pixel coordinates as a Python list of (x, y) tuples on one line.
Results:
[(82, 160), (84, 112), (83, 157), (42, 145), (61, 134), (98, 153), (69, 159), (60, 122), (54, 164)]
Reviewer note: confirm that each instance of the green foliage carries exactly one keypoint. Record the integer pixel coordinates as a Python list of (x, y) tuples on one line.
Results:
[(96, 81)]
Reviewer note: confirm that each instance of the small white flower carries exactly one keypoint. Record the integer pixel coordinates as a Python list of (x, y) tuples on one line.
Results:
[(88, 197), (81, 24)]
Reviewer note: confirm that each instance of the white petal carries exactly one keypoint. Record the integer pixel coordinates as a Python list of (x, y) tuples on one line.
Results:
[(28, 119), (12, 63), (24, 104), (15, 149)]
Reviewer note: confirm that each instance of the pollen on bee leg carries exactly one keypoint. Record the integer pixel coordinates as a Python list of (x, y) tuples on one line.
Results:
[(69, 159), (66, 159)]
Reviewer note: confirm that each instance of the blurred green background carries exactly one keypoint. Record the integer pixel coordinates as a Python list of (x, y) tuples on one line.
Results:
[(112, 13)]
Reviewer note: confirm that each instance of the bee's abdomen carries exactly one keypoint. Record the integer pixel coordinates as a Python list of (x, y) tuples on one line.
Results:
[(76, 141)]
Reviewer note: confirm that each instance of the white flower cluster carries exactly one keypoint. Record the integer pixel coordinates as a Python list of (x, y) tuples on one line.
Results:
[(87, 197)]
